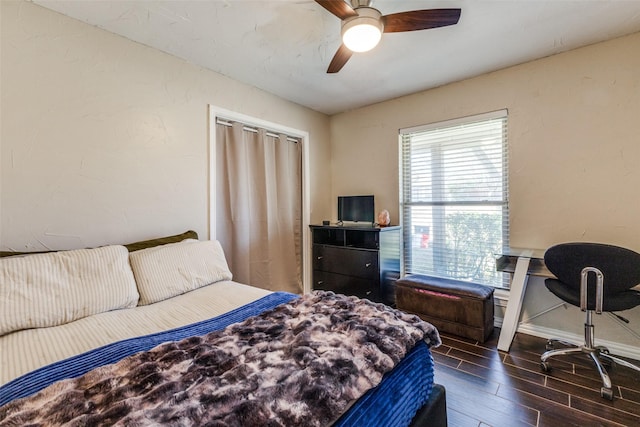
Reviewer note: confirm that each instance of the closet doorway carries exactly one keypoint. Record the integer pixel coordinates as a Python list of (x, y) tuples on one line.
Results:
[(258, 200)]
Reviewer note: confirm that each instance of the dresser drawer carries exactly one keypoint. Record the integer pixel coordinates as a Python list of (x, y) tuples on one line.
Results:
[(346, 261), (347, 285)]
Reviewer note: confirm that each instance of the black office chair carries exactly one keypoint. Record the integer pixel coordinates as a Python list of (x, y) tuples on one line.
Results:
[(597, 278)]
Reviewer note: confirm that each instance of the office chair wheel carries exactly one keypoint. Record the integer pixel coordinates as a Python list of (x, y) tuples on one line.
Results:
[(607, 393), (545, 366), (549, 346)]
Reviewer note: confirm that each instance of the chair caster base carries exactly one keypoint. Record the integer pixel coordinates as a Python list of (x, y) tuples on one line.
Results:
[(607, 362), (545, 366)]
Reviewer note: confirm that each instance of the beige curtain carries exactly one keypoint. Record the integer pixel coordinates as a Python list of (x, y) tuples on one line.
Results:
[(259, 187)]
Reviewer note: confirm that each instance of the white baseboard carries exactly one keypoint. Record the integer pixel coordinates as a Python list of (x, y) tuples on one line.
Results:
[(615, 348)]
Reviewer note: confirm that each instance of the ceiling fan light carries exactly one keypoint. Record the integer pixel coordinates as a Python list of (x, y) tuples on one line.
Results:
[(361, 37), (363, 32)]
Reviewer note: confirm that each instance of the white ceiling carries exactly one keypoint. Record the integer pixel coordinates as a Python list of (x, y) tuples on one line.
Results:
[(285, 46)]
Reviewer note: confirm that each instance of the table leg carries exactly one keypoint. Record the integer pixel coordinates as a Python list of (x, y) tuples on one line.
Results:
[(514, 305)]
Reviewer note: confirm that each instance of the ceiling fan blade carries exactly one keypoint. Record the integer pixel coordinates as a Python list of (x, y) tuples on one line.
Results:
[(339, 59), (338, 7), (420, 20)]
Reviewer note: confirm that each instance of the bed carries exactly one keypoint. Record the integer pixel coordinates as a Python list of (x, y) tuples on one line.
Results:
[(157, 332)]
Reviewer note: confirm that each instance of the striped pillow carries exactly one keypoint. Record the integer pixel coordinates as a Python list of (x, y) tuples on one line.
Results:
[(51, 289), (166, 271)]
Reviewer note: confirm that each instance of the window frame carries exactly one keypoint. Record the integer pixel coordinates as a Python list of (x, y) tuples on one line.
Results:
[(408, 231)]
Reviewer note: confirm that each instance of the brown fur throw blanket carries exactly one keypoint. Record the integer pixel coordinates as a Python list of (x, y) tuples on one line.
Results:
[(302, 363)]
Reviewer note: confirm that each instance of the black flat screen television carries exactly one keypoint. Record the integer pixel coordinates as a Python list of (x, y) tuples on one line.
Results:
[(356, 209)]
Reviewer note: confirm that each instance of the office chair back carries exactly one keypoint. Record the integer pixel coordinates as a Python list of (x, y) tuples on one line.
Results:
[(620, 267)]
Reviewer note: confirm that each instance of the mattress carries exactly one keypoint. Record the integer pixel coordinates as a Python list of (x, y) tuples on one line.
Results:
[(29, 349)]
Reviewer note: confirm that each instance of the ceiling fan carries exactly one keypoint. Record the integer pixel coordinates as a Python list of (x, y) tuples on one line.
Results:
[(363, 25)]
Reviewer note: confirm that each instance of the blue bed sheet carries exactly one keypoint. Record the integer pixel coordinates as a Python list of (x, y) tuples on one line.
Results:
[(394, 402)]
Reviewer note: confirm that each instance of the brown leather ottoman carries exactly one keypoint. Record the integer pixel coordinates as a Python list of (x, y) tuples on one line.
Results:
[(460, 308)]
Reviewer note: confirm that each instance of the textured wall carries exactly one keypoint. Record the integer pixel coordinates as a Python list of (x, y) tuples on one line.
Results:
[(574, 147), (104, 140), (573, 142)]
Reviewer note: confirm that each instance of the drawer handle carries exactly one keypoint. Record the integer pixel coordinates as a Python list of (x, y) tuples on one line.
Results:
[(320, 257), (320, 282), (367, 265), (368, 292)]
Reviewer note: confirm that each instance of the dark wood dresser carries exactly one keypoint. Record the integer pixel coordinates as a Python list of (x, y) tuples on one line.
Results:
[(357, 260)]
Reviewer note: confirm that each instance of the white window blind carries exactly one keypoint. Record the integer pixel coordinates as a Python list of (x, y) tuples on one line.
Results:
[(454, 202)]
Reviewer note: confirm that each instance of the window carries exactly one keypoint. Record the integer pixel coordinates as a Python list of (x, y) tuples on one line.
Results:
[(454, 198)]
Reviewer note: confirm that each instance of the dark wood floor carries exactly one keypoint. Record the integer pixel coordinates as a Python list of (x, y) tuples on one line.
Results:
[(487, 387)]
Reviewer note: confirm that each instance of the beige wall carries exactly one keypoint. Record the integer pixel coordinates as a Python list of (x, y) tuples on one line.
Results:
[(574, 142), (574, 148), (104, 140)]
